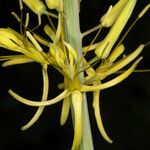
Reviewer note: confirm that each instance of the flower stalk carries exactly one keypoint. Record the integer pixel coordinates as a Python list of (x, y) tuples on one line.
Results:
[(74, 37)]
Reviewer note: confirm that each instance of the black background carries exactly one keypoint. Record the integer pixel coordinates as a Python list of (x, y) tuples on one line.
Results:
[(125, 108)]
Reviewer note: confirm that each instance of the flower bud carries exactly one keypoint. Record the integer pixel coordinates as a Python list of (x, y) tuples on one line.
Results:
[(55, 4), (37, 6), (104, 48), (112, 14)]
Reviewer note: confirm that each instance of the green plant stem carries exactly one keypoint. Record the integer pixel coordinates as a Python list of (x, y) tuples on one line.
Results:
[(74, 37)]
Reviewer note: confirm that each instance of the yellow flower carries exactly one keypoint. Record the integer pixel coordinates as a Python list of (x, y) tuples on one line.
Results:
[(63, 57), (73, 89)]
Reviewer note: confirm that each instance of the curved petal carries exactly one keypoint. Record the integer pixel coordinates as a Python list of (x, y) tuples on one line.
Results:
[(61, 96), (44, 98), (96, 105), (112, 82), (65, 110)]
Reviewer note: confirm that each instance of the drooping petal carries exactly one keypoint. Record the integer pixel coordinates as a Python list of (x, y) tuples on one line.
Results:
[(61, 96), (96, 105), (17, 61), (77, 112), (44, 98), (65, 110)]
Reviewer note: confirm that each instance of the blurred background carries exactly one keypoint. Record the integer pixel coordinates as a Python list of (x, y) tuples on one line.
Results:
[(125, 108)]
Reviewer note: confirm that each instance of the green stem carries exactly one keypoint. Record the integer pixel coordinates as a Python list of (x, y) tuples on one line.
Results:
[(73, 36)]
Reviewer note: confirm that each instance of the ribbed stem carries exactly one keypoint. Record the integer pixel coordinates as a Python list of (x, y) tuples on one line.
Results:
[(73, 36)]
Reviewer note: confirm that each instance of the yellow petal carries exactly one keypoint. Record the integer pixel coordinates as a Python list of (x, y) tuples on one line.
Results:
[(65, 110), (17, 61), (61, 96), (44, 98), (77, 109), (96, 105)]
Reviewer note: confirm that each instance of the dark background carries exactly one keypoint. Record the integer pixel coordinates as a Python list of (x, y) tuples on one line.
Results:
[(125, 108)]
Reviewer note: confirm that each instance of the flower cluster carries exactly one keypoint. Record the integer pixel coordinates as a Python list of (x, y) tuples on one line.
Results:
[(27, 46)]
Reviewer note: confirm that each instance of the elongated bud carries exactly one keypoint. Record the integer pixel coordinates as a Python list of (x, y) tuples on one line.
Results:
[(55, 4), (37, 6), (106, 45), (65, 110), (112, 14)]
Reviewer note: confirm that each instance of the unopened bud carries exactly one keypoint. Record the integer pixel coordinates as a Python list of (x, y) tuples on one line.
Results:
[(36, 6), (104, 48), (112, 14), (55, 4)]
